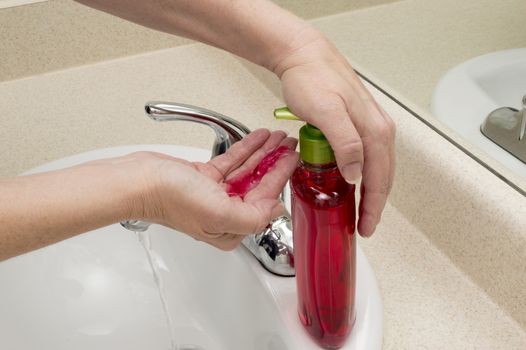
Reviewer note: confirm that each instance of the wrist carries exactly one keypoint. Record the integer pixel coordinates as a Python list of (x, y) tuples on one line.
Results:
[(125, 183), (311, 48), (140, 194), (294, 43), (295, 52)]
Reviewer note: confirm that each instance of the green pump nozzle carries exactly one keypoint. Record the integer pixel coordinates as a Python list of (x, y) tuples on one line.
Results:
[(314, 147)]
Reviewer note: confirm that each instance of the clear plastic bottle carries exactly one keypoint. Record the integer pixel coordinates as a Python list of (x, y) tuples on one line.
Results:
[(323, 218)]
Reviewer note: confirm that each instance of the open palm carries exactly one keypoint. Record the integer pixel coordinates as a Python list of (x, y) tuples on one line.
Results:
[(191, 196)]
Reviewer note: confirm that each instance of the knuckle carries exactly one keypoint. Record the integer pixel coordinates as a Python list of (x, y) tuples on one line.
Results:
[(331, 105), (384, 133), (391, 126), (351, 147)]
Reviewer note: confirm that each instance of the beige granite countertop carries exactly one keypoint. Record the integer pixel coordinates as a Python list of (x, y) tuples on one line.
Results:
[(449, 254)]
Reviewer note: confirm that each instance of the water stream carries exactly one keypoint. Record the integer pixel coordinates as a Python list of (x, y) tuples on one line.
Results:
[(156, 265)]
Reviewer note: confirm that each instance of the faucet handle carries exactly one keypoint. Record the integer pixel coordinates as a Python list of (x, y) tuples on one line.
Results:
[(228, 131), (506, 127)]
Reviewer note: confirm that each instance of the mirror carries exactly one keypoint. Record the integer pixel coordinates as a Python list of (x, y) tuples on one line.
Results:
[(450, 63)]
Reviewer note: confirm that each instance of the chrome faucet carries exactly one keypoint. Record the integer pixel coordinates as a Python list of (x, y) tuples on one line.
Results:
[(506, 127), (273, 247)]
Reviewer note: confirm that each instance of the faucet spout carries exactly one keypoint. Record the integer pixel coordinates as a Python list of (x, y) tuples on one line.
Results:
[(273, 247), (228, 131)]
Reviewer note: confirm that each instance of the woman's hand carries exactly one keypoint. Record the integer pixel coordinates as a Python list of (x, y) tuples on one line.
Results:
[(322, 88), (191, 196)]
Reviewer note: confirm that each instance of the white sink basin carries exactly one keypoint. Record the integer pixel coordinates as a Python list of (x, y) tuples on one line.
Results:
[(470, 91), (99, 291)]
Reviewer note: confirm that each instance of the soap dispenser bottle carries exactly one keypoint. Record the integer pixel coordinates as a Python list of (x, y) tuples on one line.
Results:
[(323, 221)]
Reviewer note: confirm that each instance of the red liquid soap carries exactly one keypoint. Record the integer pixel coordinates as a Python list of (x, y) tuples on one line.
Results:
[(323, 217), (241, 185)]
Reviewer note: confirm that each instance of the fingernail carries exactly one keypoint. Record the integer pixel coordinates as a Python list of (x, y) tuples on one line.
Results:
[(370, 233), (366, 233), (367, 225), (352, 173)]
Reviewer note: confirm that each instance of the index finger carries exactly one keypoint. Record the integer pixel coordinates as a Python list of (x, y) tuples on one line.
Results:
[(273, 182), (240, 151)]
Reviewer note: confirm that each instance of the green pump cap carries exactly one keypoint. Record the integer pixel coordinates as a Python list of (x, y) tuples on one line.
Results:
[(314, 147)]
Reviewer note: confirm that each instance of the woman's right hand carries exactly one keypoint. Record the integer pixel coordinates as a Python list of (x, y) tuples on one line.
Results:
[(321, 87)]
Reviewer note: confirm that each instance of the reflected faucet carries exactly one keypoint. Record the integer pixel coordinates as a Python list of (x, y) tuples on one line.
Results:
[(506, 127), (273, 247)]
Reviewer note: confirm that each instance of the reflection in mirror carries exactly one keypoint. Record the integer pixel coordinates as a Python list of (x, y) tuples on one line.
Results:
[(481, 100), (451, 63)]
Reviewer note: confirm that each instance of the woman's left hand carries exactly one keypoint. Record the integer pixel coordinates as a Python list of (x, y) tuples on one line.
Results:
[(192, 198)]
